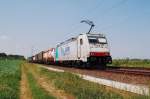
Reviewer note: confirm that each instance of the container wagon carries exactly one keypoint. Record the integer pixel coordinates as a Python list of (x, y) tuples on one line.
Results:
[(49, 56), (39, 57)]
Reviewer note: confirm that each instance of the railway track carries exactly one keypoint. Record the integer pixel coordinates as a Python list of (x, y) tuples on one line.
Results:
[(120, 70), (128, 70), (126, 75)]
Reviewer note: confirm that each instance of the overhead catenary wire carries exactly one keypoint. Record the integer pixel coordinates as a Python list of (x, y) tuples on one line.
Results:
[(97, 18), (90, 10), (112, 25), (113, 7), (106, 11), (116, 5)]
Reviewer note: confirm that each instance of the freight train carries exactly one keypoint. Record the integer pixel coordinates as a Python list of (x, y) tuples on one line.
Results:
[(85, 50)]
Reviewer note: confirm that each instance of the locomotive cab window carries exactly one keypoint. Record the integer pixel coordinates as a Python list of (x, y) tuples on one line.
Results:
[(100, 40), (93, 40), (81, 41)]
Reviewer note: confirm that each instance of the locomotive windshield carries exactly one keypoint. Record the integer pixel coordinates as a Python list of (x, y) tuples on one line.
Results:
[(101, 40)]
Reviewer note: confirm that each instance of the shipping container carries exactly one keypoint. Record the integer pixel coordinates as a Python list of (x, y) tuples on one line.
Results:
[(49, 56)]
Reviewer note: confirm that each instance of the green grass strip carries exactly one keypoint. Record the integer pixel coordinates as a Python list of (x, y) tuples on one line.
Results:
[(37, 91), (83, 89), (78, 87), (10, 76), (131, 63)]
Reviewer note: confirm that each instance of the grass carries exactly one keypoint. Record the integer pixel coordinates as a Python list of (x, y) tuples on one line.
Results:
[(131, 62), (37, 91), (83, 89), (10, 76), (78, 87), (10, 79)]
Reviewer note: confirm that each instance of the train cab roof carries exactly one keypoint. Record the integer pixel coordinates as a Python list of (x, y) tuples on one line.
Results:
[(88, 35)]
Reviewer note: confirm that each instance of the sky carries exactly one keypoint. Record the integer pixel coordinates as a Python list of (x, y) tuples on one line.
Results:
[(30, 26)]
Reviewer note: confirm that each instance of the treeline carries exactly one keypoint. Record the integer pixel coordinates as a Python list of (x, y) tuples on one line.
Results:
[(5, 56)]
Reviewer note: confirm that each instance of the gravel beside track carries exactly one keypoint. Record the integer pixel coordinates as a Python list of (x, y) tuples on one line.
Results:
[(131, 71), (107, 74)]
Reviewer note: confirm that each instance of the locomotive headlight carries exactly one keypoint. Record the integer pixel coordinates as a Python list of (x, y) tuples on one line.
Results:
[(106, 46), (92, 54)]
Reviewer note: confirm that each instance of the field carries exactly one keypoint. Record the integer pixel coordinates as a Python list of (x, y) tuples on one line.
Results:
[(22, 80), (131, 62), (10, 76), (67, 85)]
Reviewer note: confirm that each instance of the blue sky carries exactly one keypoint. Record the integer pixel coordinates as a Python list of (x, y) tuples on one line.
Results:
[(41, 24)]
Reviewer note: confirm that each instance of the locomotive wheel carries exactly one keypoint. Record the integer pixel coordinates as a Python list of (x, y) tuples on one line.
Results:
[(88, 65), (79, 64), (102, 66)]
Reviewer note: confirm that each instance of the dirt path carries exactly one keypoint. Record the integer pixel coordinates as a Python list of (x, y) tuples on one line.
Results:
[(25, 91), (59, 94), (45, 83)]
